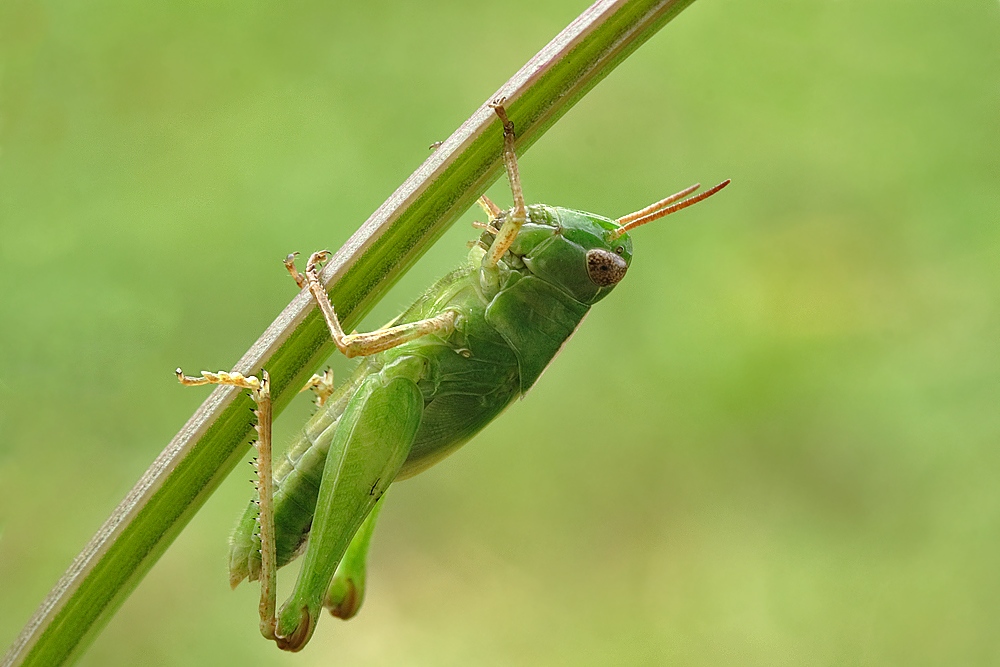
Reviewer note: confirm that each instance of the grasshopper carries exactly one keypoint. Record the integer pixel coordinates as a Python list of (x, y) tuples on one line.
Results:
[(427, 383)]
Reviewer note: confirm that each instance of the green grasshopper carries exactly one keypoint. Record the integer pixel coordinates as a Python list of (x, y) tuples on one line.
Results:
[(428, 382)]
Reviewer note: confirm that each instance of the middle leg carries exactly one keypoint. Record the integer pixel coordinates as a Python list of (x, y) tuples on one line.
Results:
[(364, 344)]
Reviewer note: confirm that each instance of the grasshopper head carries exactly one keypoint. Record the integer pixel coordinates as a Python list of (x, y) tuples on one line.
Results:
[(572, 251), (584, 254)]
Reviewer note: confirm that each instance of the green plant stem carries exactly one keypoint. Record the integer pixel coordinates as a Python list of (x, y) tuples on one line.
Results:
[(216, 437)]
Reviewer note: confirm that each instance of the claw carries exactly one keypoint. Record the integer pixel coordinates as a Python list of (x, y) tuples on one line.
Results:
[(290, 266), (317, 258), (321, 385)]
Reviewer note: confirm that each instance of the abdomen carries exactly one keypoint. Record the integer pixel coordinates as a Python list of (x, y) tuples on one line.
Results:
[(474, 376)]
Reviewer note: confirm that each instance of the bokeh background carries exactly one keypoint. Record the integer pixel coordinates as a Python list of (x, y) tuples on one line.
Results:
[(777, 444)]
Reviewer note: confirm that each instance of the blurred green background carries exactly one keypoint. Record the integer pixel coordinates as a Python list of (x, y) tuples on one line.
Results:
[(777, 443)]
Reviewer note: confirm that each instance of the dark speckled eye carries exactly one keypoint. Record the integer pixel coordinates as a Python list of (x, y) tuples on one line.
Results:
[(605, 268)]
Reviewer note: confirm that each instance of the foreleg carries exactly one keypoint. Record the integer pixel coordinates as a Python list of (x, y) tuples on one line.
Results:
[(517, 215)]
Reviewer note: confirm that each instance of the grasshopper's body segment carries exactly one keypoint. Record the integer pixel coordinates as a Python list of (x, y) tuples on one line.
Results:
[(444, 369), (502, 339)]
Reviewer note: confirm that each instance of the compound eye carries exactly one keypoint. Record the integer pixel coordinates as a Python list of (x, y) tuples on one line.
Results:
[(605, 268)]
